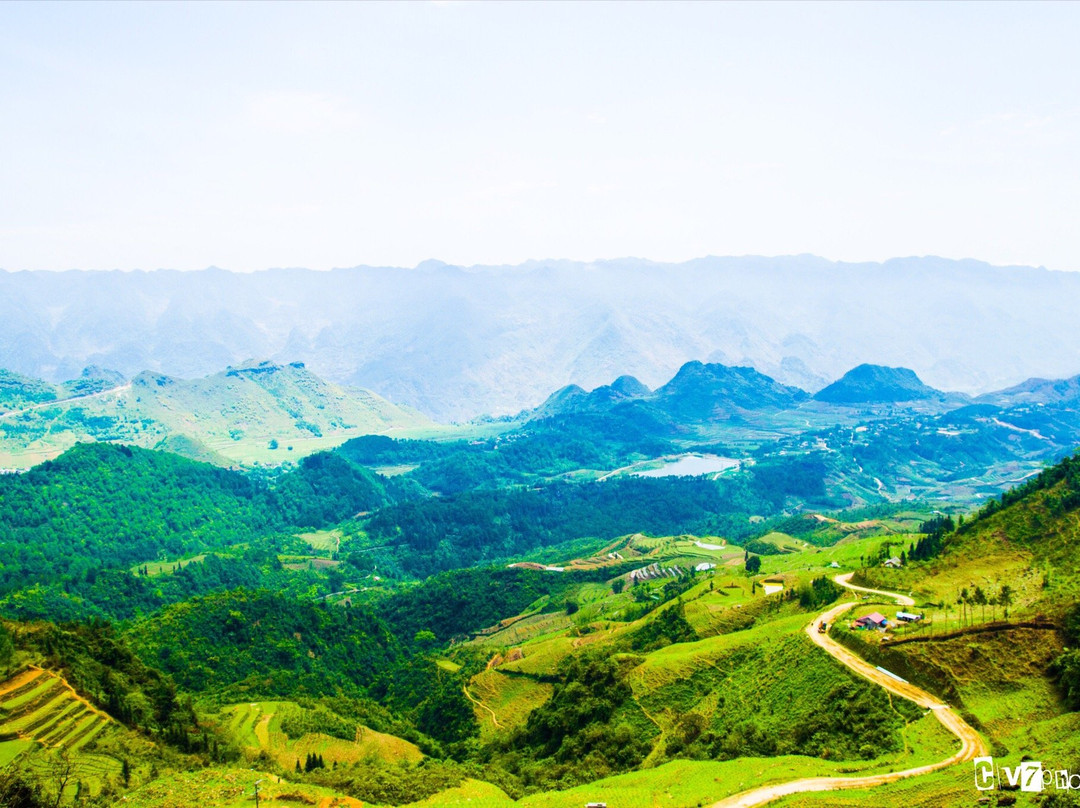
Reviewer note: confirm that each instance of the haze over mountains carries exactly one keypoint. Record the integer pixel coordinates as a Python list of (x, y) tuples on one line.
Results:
[(456, 343)]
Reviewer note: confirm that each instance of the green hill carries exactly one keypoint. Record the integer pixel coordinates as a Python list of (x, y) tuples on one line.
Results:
[(101, 504), (1028, 539), (101, 509), (876, 384), (702, 392), (266, 644), (573, 399), (261, 412), (1001, 595)]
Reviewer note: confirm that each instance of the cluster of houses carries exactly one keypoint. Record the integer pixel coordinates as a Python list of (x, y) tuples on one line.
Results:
[(878, 621)]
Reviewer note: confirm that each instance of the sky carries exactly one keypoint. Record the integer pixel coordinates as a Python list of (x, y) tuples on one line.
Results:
[(257, 135)]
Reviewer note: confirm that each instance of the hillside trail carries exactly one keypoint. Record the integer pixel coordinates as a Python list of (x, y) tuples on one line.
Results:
[(478, 703), (971, 744)]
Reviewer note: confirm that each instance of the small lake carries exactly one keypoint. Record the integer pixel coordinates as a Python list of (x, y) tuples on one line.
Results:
[(691, 466)]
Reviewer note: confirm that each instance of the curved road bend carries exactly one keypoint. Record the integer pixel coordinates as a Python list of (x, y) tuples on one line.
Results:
[(971, 744), (845, 580)]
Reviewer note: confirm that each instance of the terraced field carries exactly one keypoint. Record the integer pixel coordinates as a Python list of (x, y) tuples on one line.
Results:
[(41, 715), (38, 707), (257, 726)]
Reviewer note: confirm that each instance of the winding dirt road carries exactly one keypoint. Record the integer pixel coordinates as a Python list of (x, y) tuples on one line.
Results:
[(971, 744), (61, 402), (845, 581)]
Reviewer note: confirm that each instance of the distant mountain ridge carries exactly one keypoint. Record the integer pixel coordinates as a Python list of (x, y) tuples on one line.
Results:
[(1036, 391), (457, 342), (703, 392), (258, 412)]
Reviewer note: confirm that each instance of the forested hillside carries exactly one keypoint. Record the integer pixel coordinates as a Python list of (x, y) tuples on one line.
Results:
[(115, 506)]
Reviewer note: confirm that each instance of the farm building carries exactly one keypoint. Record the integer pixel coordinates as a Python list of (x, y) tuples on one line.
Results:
[(894, 562), (872, 620), (772, 585), (908, 617)]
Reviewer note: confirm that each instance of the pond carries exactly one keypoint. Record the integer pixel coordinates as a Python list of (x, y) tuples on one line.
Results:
[(691, 465)]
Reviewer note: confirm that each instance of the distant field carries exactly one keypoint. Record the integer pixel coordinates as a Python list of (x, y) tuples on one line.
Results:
[(323, 541), (167, 567)]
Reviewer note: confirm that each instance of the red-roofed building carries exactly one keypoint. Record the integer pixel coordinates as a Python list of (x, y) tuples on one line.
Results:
[(872, 620)]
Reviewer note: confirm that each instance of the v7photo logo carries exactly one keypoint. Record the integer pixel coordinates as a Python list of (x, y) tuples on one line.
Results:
[(1029, 775)]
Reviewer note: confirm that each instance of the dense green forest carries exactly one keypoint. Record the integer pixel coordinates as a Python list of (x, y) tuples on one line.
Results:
[(100, 505), (458, 602), (119, 594), (242, 645), (263, 641), (81, 521)]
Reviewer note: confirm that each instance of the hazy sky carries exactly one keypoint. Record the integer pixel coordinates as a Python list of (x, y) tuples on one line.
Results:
[(256, 135)]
